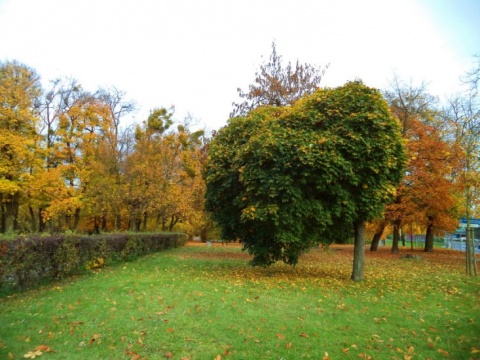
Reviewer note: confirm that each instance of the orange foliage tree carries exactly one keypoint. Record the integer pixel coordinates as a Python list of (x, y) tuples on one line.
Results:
[(426, 197)]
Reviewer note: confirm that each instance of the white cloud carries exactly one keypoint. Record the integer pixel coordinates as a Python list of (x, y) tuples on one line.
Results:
[(194, 54)]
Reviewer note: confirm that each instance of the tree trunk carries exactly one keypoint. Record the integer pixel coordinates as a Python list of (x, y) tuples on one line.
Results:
[(204, 234), (396, 236), (3, 219), (377, 236), (118, 221), (359, 252), (11, 211), (103, 226), (96, 227), (471, 261), (32, 219), (41, 221), (76, 219), (134, 223), (145, 219), (429, 236), (173, 220)]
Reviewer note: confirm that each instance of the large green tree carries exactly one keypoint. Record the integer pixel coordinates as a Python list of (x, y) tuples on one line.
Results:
[(285, 178)]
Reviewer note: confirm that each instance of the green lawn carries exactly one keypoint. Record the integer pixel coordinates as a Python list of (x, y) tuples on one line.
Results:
[(200, 302)]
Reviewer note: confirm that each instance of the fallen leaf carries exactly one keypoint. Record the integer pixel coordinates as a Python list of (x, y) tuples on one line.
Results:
[(475, 350), (218, 357), (32, 354), (346, 350), (288, 345), (44, 348), (365, 356), (280, 336), (443, 352), (168, 354), (94, 338), (304, 335), (325, 356)]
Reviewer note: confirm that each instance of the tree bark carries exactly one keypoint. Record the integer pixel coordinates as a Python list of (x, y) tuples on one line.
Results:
[(173, 220), (11, 211), (145, 219), (3, 220), (396, 236), (359, 252), (118, 221), (103, 226), (377, 236), (429, 236), (32, 219), (41, 221), (76, 219)]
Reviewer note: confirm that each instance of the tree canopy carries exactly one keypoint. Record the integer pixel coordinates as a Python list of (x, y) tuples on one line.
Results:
[(281, 179)]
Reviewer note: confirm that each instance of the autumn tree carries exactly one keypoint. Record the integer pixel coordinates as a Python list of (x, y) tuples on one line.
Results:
[(278, 85), (283, 178), (163, 174), (430, 164), (19, 89), (112, 156), (144, 169), (48, 183), (83, 121), (407, 103), (428, 187)]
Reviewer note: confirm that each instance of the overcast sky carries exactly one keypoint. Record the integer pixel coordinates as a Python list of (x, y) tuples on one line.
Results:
[(195, 53)]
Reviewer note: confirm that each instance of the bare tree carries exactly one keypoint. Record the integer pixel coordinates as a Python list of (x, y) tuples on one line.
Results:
[(276, 85)]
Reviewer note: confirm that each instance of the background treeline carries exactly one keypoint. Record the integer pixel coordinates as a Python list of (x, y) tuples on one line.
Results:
[(68, 163)]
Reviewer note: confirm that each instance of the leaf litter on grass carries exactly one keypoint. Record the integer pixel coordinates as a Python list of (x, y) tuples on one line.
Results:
[(197, 302)]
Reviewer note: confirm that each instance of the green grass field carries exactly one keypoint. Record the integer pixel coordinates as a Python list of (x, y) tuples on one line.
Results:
[(200, 302)]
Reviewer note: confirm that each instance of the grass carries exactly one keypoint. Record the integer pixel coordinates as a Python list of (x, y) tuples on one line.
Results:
[(200, 302)]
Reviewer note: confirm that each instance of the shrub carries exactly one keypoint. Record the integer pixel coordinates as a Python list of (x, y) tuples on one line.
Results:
[(26, 261)]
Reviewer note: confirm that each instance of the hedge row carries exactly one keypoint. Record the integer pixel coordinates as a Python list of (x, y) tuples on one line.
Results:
[(26, 261)]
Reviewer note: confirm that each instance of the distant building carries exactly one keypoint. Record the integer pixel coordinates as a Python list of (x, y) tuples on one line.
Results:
[(474, 223), (457, 239)]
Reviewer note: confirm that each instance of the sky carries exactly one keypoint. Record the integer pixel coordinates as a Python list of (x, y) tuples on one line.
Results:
[(194, 54)]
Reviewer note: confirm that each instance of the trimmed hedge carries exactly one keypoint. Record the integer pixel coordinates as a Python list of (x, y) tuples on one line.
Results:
[(26, 261)]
